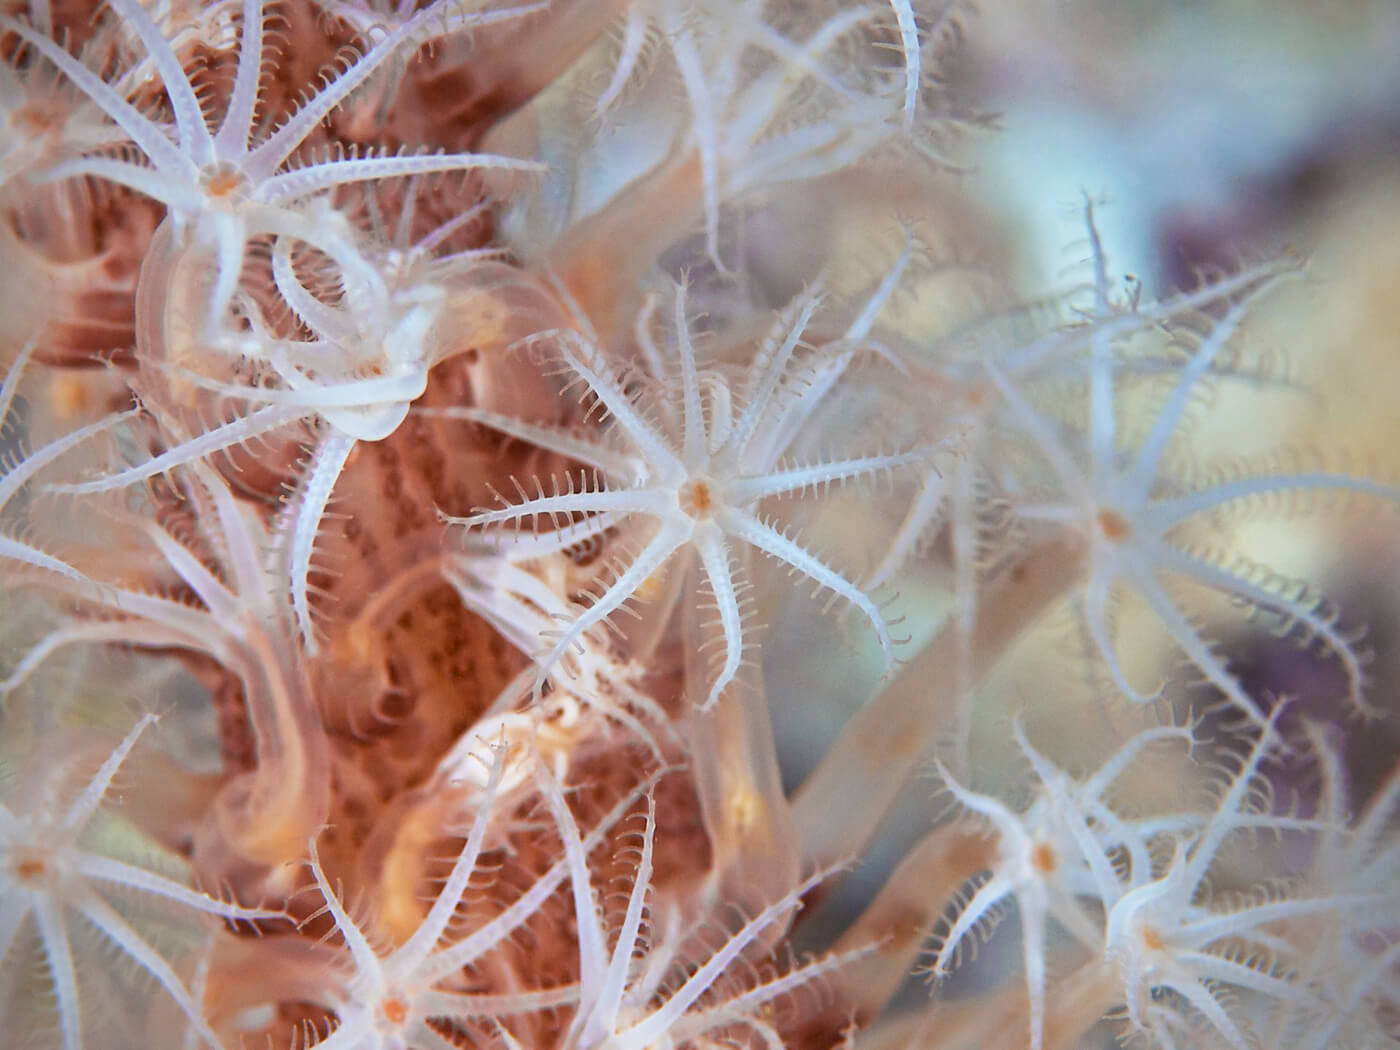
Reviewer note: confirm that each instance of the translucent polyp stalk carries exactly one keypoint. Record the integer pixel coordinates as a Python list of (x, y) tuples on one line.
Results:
[(252, 973), (1074, 1005), (532, 60), (997, 1019), (267, 815), (168, 801), (264, 816), (492, 307), (840, 806), (735, 763), (174, 280), (902, 914), (601, 261)]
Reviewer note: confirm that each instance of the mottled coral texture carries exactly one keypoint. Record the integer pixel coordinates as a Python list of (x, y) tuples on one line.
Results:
[(421, 418)]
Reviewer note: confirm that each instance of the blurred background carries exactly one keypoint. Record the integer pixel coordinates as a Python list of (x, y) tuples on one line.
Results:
[(1218, 134), (1214, 134)]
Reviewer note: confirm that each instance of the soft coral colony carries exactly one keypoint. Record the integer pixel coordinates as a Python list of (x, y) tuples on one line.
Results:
[(396, 396)]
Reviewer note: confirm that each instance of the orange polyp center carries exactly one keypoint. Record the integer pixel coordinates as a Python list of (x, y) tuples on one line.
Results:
[(31, 868), (69, 396), (394, 1010), (1043, 858), (35, 119), (1113, 525), (223, 183), (697, 498), (1152, 939)]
